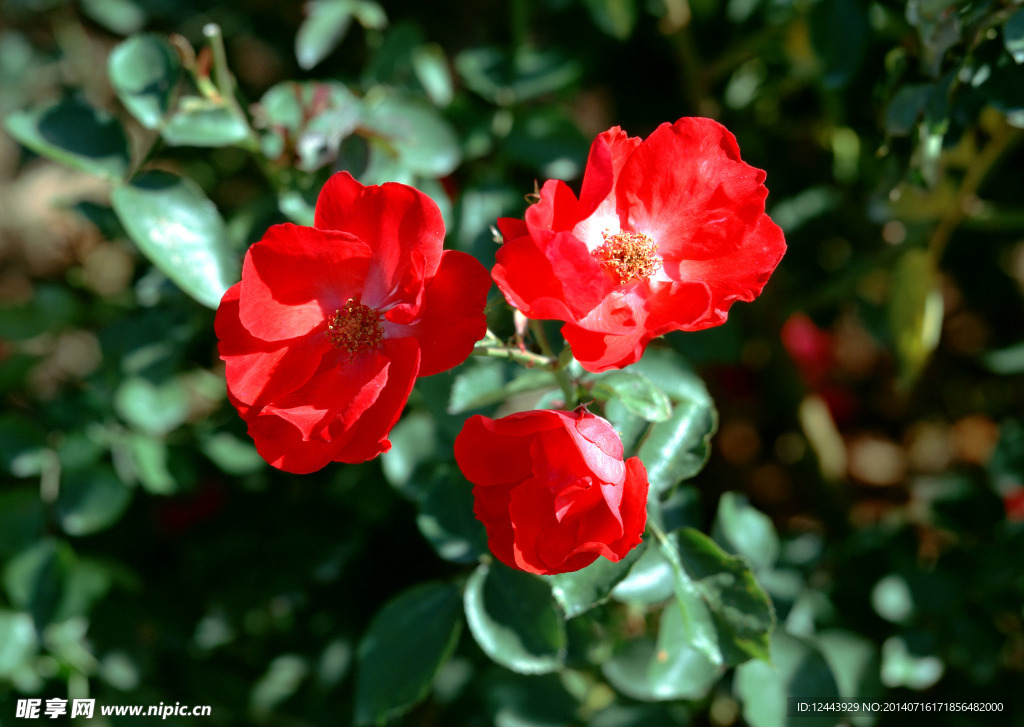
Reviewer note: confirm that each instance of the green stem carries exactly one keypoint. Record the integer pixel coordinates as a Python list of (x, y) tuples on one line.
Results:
[(526, 358), (561, 375), (225, 83)]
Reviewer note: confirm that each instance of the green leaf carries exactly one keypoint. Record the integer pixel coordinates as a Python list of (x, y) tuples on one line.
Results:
[(581, 590), (21, 518), (154, 409), (413, 441), (181, 232), (232, 455), (447, 521), (676, 449), (742, 529), (905, 108), (144, 72), (405, 646), (915, 312), (651, 580), (36, 579), (119, 16), (615, 17), (797, 672), (74, 133), (17, 642), (728, 616), (1013, 36), (322, 30), (410, 133), (91, 500), (670, 668), (327, 22), (205, 122), (431, 67), (636, 392), (149, 457), (513, 618), (483, 383)]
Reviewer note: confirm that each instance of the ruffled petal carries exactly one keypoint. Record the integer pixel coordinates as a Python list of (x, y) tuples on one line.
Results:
[(497, 451), (296, 276), (597, 352), (257, 371), (402, 226), (608, 155), (526, 279), (368, 437), (452, 316)]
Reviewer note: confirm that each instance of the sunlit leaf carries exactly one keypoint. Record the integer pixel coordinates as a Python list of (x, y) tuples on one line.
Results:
[(513, 618), (409, 133), (403, 649), (636, 392), (180, 230), (740, 528), (798, 672), (74, 133), (144, 71), (666, 669), (431, 67), (205, 122), (151, 408), (582, 590), (915, 311), (728, 617)]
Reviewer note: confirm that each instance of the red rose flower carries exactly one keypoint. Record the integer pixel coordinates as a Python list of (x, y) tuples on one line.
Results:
[(552, 490), (331, 324), (666, 234)]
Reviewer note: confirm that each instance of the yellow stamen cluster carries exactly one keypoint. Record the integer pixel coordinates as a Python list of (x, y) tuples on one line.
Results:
[(355, 328), (628, 255)]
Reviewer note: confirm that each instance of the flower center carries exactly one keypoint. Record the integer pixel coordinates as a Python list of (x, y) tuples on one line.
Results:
[(355, 327), (628, 255)]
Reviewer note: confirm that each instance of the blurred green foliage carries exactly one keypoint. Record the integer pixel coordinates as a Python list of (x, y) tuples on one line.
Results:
[(859, 494)]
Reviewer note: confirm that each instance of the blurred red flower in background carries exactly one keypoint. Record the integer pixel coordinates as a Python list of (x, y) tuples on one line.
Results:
[(667, 233), (331, 324), (552, 489)]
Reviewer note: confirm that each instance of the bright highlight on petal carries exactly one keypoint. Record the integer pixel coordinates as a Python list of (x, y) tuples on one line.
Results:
[(678, 210)]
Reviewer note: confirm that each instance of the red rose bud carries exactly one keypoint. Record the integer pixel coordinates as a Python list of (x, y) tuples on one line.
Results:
[(331, 324), (552, 490), (667, 233)]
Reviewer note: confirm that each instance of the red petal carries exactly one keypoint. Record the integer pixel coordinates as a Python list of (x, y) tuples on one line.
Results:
[(258, 372), (368, 436), (295, 277), (341, 390), (452, 315), (525, 277), (402, 226), (599, 352), (557, 210), (497, 451), (686, 186), (512, 227), (608, 154)]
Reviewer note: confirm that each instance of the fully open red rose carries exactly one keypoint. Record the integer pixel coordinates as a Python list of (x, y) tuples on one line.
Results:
[(330, 325), (666, 234), (552, 489)]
